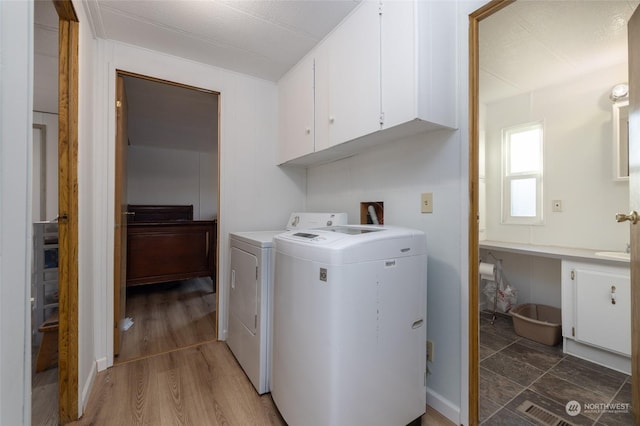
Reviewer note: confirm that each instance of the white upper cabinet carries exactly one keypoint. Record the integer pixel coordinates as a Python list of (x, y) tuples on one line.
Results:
[(418, 64), (296, 109), (348, 78), (389, 70)]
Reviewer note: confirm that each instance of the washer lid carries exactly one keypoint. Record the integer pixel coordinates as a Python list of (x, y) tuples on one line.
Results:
[(299, 220), (352, 244)]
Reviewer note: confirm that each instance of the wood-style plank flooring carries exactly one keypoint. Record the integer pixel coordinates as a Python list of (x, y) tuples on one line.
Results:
[(44, 398), (168, 316), (200, 385), (171, 371)]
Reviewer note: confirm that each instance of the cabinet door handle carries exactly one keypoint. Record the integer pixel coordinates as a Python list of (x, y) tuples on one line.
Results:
[(632, 217), (613, 294)]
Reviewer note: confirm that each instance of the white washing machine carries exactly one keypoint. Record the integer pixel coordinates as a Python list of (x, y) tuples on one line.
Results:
[(250, 292), (349, 326)]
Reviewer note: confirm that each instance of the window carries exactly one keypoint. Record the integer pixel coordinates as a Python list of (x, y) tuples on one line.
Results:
[(522, 174)]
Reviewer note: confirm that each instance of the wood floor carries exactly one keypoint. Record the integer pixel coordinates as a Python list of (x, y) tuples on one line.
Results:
[(171, 371), (199, 385), (44, 398), (167, 317)]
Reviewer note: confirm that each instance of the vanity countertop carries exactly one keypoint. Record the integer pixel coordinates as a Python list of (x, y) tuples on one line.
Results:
[(555, 252)]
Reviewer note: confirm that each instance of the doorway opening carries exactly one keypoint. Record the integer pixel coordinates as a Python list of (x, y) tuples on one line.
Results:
[(167, 203), (500, 381), (55, 293)]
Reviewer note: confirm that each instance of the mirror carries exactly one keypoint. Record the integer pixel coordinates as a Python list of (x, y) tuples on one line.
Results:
[(620, 119)]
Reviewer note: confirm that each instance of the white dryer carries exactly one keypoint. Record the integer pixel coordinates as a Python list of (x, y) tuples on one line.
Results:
[(250, 294), (349, 326)]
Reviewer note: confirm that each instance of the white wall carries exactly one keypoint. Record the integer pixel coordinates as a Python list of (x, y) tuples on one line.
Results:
[(89, 253), (45, 78), (578, 164), (170, 176), (254, 194), (50, 121), (535, 278), (16, 105)]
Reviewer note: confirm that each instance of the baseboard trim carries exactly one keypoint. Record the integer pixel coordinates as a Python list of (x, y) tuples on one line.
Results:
[(443, 406), (86, 389), (102, 364)]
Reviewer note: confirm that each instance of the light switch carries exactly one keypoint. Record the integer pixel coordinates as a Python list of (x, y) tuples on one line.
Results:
[(426, 202)]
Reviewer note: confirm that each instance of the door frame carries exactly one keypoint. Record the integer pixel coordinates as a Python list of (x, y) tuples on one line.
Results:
[(124, 73), (474, 143), (474, 181), (68, 40)]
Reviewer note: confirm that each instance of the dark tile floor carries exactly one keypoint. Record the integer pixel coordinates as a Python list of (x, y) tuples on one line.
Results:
[(514, 370)]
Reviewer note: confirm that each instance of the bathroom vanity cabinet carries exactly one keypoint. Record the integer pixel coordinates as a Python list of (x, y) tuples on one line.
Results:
[(596, 312), (595, 297)]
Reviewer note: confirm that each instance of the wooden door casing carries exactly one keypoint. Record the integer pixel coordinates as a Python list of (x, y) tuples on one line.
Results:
[(120, 220), (474, 182), (68, 80)]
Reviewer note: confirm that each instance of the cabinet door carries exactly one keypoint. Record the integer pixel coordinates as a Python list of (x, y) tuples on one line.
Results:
[(598, 321), (296, 111), (354, 77), (398, 63), (418, 63)]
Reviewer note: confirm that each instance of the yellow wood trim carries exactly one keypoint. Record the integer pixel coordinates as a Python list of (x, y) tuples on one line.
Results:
[(474, 138), (68, 208), (65, 10), (171, 83), (119, 276), (218, 233)]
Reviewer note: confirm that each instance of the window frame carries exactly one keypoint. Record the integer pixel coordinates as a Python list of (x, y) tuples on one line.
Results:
[(507, 178)]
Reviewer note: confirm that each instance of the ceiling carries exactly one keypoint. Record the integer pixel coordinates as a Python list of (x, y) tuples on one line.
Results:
[(527, 45), (262, 38), (533, 44)]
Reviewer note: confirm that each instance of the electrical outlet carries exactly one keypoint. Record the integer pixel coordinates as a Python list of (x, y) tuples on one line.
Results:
[(556, 205), (426, 202), (429, 351)]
